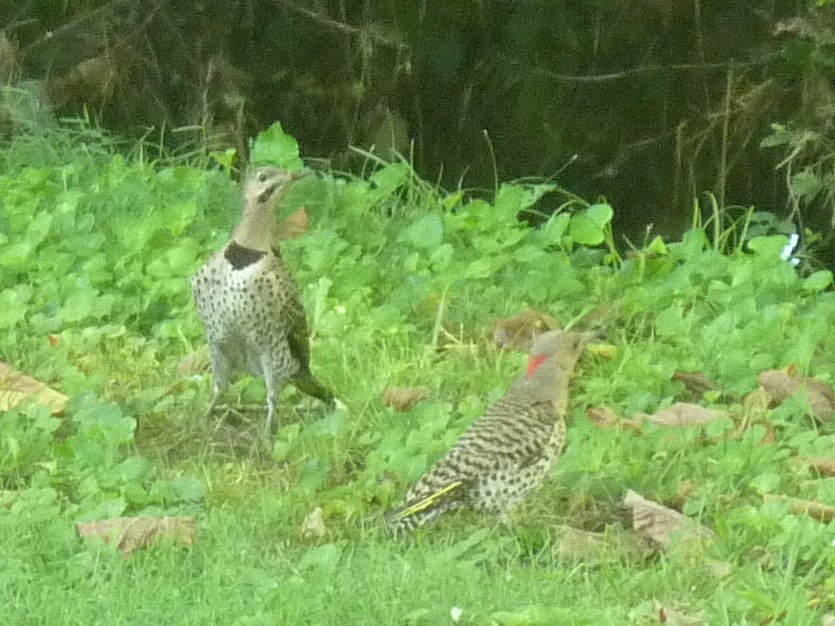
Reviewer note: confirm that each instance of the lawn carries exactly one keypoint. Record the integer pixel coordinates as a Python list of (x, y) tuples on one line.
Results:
[(403, 284)]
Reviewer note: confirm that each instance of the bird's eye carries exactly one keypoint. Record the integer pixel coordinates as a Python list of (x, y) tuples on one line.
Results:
[(262, 176)]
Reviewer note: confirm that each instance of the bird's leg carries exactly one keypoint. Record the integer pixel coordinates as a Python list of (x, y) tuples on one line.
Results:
[(273, 383), (213, 403), (220, 373), (272, 404)]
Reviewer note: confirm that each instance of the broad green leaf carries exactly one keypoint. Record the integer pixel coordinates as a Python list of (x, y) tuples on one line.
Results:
[(768, 246), (657, 246), (38, 228), (78, 305), (600, 213), (107, 509), (767, 482), (817, 281), (588, 227), (427, 232), (805, 184), (387, 180), (188, 489), (484, 267), (314, 474), (513, 198), (15, 255), (13, 305), (554, 229), (275, 147), (670, 322)]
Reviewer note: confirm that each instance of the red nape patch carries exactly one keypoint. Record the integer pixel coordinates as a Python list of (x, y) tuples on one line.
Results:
[(535, 362)]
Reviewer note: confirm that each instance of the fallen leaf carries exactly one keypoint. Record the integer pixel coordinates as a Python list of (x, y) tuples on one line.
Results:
[(314, 526), (659, 523), (666, 615), (589, 547), (517, 332), (685, 490), (604, 417), (404, 398), (824, 465), (54, 340), (16, 387), (811, 508), (295, 225), (783, 383), (758, 401), (696, 382), (134, 533), (684, 414)]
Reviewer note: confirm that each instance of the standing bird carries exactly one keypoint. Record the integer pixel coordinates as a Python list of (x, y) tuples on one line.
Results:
[(508, 452), (250, 304)]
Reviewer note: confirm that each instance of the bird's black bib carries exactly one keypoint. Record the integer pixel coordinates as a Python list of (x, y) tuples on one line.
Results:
[(240, 257)]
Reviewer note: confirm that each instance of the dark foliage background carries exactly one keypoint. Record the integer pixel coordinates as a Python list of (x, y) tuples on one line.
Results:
[(659, 100)]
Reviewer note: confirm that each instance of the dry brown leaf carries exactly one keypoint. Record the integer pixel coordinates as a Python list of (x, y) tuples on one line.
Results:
[(684, 414), (824, 465), (666, 615), (589, 547), (134, 533), (685, 490), (517, 332), (16, 387), (404, 398), (602, 416), (758, 401), (784, 383), (605, 417), (660, 523), (696, 382), (295, 225), (811, 508), (314, 526)]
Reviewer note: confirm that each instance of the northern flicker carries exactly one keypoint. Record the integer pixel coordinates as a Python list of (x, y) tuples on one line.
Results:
[(507, 453), (250, 304)]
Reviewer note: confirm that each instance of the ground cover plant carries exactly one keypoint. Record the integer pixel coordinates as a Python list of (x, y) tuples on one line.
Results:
[(403, 283)]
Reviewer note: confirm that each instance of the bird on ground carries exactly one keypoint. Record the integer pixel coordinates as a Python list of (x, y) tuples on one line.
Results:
[(508, 452), (250, 304)]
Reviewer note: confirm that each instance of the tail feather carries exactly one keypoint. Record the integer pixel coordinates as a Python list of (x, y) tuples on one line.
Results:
[(306, 382), (417, 513)]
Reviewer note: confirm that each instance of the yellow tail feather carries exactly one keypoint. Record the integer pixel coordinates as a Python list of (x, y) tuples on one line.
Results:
[(425, 503)]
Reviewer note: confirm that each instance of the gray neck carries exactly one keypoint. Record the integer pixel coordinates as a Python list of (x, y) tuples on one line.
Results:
[(258, 229)]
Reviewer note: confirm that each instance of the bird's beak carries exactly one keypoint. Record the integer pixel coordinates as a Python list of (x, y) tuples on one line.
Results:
[(305, 171)]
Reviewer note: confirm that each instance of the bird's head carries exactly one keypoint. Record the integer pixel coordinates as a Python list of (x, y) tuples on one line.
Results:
[(264, 186), (553, 357)]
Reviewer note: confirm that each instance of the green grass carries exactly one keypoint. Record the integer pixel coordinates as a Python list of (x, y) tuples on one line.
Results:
[(402, 283)]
